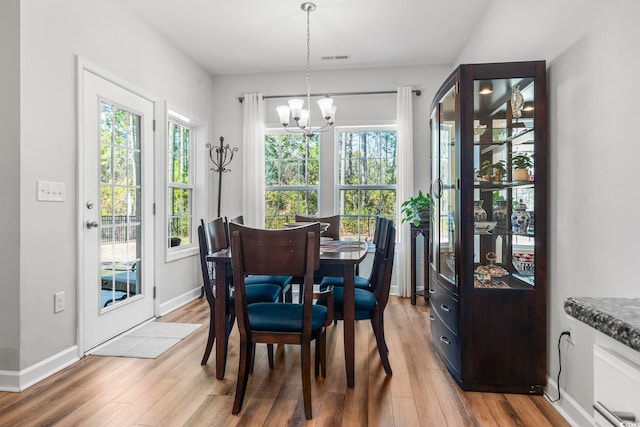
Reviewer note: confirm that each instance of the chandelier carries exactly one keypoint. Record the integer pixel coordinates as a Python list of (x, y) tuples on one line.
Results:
[(295, 109)]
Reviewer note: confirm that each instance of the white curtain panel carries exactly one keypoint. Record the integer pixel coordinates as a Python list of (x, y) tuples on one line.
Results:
[(404, 186), (253, 159)]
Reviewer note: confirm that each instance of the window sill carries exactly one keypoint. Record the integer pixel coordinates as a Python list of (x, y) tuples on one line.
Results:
[(180, 253)]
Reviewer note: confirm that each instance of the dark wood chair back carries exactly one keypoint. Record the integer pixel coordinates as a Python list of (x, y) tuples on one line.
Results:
[(283, 252), (383, 278), (215, 233), (334, 224)]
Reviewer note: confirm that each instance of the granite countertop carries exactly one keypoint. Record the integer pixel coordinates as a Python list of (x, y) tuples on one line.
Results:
[(618, 318)]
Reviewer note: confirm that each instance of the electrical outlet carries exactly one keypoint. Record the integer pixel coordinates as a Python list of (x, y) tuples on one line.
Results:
[(58, 302), (572, 333)]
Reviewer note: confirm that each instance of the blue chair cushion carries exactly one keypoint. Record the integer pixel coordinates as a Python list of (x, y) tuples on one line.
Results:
[(365, 302), (281, 281), (283, 317), (262, 293), (359, 281)]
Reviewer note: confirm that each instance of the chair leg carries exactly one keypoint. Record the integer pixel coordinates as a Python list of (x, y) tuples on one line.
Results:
[(288, 295), (210, 339), (244, 361), (321, 353), (270, 355), (378, 331), (305, 361), (253, 358)]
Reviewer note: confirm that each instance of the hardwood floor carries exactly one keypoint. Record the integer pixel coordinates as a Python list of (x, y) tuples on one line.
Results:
[(175, 390)]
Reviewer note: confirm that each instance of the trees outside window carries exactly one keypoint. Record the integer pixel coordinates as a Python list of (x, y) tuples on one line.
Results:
[(363, 178), (366, 183), (292, 177), (179, 184)]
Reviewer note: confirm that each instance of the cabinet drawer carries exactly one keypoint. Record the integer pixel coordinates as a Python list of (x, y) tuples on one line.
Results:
[(616, 388), (445, 305), (446, 342)]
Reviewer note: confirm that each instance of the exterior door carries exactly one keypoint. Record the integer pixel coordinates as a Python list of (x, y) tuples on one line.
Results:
[(116, 259)]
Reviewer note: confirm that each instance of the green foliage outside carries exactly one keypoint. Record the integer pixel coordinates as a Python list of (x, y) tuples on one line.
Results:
[(367, 167), (180, 191)]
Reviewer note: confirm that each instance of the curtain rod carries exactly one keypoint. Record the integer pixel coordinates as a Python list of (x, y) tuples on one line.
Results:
[(418, 92)]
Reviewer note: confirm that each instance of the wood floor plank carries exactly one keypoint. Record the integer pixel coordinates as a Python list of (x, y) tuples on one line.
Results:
[(175, 390)]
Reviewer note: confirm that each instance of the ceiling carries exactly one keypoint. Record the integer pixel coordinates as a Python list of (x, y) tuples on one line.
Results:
[(255, 36)]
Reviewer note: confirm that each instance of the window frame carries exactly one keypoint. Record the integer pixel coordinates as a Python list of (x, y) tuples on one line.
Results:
[(343, 187), (317, 188), (197, 130)]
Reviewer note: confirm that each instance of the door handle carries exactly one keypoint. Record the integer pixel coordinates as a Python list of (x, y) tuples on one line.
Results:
[(92, 224)]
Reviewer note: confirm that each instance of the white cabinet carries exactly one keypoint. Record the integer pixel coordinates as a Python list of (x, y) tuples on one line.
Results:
[(616, 384)]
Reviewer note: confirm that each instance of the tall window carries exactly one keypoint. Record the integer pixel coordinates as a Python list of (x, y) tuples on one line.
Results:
[(366, 179), (292, 177), (179, 183)]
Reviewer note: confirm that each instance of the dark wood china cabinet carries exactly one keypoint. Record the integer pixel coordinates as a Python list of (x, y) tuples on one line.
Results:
[(488, 260)]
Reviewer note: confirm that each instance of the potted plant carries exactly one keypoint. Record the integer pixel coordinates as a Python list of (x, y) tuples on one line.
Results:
[(493, 171), (416, 209), (521, 165)]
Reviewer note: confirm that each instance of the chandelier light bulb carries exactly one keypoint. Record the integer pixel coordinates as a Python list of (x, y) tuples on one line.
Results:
[(296, 108), (325, 105), (304, 119), (283, 113)]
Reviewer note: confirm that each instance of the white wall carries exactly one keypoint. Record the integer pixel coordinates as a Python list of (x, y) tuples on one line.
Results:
[(592, 57), (352, 110), (9, 182), (51, 35)]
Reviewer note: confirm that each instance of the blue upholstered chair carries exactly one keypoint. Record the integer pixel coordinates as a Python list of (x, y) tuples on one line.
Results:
[(370, 304), (380, 254), (283, 281), (288, 252)]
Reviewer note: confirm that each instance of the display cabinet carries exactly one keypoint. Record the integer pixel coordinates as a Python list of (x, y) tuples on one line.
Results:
[(487, 261)]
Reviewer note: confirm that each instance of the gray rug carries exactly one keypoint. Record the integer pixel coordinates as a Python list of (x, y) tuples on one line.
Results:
[(148, 341)]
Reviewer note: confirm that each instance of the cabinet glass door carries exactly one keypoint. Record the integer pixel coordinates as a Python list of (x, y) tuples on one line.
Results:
[(504, 183), (445, 189)]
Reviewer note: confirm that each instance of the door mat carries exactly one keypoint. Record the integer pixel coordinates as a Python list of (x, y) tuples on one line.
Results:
[(148, 341)]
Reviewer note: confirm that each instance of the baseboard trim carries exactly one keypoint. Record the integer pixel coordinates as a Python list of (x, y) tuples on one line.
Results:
[(177, 302), (569, 408), (17, 381)]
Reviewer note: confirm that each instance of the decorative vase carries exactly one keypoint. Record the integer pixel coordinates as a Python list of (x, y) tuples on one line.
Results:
[(517, 102), (479, 214), (520, 219), (500, 213)]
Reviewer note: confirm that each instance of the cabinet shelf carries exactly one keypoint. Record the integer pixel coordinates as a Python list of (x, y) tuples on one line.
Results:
[(500, 185)]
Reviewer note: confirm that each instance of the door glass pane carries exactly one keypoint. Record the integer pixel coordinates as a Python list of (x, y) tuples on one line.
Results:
[(448, 199), (119, 205)]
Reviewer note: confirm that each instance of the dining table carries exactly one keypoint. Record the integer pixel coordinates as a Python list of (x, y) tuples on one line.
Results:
[(338, 258)]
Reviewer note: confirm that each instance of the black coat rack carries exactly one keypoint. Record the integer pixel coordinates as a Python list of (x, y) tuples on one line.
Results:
[(221, 157)]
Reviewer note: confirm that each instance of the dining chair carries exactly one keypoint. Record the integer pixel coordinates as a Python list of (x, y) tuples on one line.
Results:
[(370, 304), (254, 293), (280, 252), (380, 253), (283, 281), (333, 231)]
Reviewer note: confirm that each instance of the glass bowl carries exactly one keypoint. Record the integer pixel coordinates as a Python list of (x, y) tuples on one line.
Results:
[(525, 268)]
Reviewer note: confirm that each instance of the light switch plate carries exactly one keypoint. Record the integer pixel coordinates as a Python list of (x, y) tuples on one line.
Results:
[(51, 191)]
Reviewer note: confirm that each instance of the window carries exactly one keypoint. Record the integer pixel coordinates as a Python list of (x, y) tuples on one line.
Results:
[(366, 181), (179, 183), (292, 177), (364, 178)]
